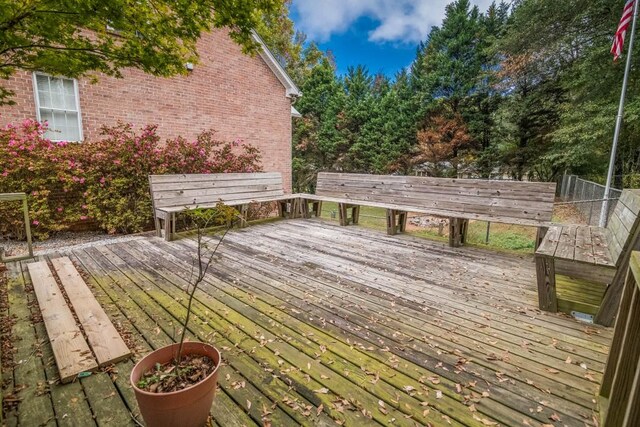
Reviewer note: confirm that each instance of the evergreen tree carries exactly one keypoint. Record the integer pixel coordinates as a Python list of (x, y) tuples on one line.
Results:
[(317, 141), (358, 109)]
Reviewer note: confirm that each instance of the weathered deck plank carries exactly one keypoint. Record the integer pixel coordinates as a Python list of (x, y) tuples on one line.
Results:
[(318, 323), (104, 339), (35, 407), (70, 348), (447, 377)]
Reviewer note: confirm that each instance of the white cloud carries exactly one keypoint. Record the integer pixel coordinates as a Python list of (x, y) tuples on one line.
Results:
[(405, 21)]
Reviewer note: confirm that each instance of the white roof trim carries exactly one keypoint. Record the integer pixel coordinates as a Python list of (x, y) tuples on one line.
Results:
[(291, 88), (295, 113)]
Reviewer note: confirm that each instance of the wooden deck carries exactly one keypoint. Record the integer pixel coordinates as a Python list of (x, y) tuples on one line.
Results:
[(319, 323)]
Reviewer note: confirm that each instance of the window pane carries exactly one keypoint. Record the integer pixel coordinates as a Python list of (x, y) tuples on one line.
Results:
[(69, 95), (57, 94), (73, 127), (44, 98), (42, 84), (46, 116), (70, 102)]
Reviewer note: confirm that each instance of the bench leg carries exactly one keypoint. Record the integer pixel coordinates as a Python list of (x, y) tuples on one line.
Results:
[(542, 231), (355, 214), (463, 230), (342, 210), (303, 208), (546, 274), (156, 221), (396, 221), (167, 228), (289, 208), (244, 211), (402, 221), (457, 231), (391, 222), (316, 209)]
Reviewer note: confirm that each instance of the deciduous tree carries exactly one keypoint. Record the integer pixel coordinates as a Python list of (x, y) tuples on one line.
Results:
[(76, 38)]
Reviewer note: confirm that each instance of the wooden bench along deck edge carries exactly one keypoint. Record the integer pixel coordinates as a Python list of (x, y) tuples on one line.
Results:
[(397, 216), (165, 217), (548, 265), (460, 200), (298, 204)]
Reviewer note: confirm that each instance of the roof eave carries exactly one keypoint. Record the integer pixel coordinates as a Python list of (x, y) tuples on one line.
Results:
[(291, 90)]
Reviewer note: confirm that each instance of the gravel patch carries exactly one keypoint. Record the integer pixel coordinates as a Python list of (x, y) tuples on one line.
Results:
[(67, 241)]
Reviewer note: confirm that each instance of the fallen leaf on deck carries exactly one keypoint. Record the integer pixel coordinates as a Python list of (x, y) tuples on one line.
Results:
[(485, 421)]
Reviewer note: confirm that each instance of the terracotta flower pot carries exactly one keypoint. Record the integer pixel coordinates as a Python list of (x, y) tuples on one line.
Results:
[(188, 407)]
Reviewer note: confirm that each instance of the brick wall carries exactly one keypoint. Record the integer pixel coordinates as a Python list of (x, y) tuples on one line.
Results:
[(235, 94)]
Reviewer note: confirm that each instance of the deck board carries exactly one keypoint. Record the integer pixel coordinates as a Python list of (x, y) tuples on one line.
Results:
[(71, 351), (318, 323)]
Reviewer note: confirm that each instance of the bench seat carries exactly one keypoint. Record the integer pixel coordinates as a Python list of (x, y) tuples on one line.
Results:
[(596, 254), (460, 200), (172, 194), (434, 212), (579, 243), (174, 209)]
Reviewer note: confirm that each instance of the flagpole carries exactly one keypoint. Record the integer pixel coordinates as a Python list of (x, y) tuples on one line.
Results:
[(616, 134)]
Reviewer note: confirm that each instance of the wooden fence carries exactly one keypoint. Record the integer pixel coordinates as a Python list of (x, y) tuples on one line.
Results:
[(620, 390)]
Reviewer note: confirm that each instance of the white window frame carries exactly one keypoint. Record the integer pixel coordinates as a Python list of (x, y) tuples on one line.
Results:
[(76, 94)]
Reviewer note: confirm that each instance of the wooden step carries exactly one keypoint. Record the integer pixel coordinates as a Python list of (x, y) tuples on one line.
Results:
[(70, 350), (103, 337)]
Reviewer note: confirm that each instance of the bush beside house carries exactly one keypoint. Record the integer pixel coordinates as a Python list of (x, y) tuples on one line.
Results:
[(104, 180)]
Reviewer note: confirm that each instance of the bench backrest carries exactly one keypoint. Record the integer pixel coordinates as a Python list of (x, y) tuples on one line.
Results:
[(623, 224), (191, 190), (530, 201)]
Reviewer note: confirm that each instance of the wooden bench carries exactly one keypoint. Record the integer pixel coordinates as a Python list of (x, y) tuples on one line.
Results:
[(590, 253), (511, 202), (172, 194)]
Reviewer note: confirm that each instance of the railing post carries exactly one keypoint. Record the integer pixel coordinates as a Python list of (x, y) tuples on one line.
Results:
[(620, 390), (9, 197)]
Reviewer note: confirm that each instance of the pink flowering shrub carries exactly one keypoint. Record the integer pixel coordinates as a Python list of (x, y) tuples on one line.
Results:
[(104, 180), (46, 172)]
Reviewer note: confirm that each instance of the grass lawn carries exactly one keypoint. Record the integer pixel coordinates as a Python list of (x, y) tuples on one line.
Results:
[(502, 237)]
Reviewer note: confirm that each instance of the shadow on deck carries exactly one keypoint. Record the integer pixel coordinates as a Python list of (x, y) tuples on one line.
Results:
[(318, 323)]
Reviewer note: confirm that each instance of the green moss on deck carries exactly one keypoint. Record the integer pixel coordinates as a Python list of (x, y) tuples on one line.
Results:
[(578, 295)]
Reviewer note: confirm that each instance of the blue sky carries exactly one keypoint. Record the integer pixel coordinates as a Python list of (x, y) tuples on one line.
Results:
[(381, 34)]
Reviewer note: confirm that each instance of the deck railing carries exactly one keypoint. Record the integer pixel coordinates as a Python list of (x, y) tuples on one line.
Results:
[(620, 390)]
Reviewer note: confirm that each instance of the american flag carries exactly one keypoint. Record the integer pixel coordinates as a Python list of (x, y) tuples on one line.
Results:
[(618, 39)]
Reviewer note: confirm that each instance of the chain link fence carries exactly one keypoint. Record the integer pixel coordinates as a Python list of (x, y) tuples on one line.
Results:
[(587, 197)]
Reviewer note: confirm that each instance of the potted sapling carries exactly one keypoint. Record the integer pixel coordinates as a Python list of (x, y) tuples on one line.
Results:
[(175, 385)]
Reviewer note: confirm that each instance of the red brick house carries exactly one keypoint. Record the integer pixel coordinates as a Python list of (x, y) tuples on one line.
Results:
[(237, 95)]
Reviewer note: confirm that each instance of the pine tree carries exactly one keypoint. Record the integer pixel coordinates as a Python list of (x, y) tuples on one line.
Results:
[(317, 141)]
